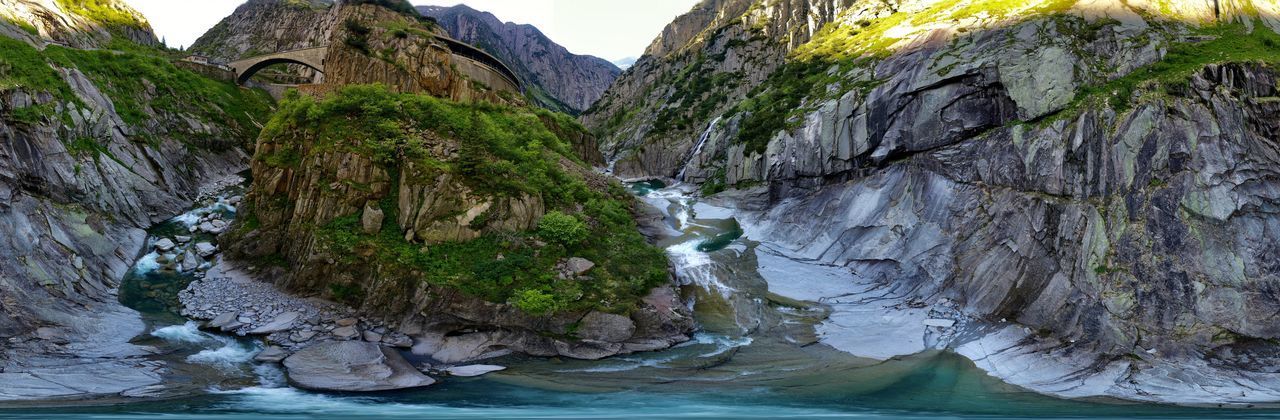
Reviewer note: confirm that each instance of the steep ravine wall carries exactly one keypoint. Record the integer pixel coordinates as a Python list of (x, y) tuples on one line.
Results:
[(79, 183), (1094, 207)]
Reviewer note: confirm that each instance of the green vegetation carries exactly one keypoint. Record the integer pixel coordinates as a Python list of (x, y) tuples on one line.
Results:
[(26, 26), (1230, 42), (399, 6), (500, 152), (562, 229), (108, 13), (21, 65), (697, 93), (358, 36), (138, 81)]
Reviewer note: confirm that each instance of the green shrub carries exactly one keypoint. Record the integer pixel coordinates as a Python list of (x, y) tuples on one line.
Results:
[(563, 229), (535, 302)]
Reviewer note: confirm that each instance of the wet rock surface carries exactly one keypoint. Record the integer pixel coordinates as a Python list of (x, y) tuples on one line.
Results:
[(352, 366)]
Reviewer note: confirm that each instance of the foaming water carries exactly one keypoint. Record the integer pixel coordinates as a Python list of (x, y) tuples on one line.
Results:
[(229, 355), (185, 333), (693, 266)]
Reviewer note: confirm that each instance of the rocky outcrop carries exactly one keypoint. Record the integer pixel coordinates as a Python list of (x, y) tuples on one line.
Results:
[(1043, 172), (314, 203), (556, 79), (352, 366), (51, 21), (266, 26), (704, 63), (77, 187)]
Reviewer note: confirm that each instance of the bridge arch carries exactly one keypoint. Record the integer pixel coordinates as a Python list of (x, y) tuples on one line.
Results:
[(312, 58)]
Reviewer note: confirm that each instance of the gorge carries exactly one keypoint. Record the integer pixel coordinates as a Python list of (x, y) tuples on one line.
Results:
[(784, 208)]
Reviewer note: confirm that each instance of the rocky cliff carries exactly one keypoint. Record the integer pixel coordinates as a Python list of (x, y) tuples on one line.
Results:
[(95, 146), (1090, 183), (265, 26), (477, 227), (557, 79)]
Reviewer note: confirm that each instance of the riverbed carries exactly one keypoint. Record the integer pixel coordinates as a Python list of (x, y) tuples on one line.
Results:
[(760, 353)]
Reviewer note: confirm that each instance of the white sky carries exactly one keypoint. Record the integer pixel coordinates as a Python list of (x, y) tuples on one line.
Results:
[(611, 29)]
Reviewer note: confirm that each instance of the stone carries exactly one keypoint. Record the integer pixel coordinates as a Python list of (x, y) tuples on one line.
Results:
[(279, 323), (346, 322), (190, 262), (473, 370), (273, 354), (371, 221), (302, 336), (165, 245), (605, 327), (223, 320), (346, 333), (182, 239), (372, 337), (578, 266), (352, 366), (206, 249)]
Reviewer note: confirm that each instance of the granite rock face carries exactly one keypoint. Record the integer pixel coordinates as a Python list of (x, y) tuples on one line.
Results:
[(559, 80), (1129, 233), (71, 221)]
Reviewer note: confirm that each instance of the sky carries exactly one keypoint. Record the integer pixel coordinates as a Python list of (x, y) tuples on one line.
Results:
[(610, 29)]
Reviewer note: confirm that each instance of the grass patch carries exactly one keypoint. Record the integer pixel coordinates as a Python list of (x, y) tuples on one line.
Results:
[(109, 13)]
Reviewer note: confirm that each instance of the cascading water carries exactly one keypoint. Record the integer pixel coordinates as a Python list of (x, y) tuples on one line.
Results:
[(697, 150)]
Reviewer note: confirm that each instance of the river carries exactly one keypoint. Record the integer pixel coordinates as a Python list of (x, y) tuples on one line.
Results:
[(757, 355)]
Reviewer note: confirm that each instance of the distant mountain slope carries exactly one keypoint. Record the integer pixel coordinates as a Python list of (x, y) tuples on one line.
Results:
[(556, 78), (292, 24)]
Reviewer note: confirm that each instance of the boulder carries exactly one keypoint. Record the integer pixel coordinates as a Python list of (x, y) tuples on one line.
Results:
[(608, 328), (574, 267), (372, 337), (273, 354), (346, 333), (182, 239), (281, 322), (206, 249), (352, 366), (371, 221), (346, 322), (222, 321), (190, 262), (165, 245)]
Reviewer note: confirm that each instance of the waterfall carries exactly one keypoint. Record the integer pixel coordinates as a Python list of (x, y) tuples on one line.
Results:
[(702, 141)]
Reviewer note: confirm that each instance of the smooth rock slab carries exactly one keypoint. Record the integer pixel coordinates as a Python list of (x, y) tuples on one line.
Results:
[(281, 322), (271, 354), (473, 370), (352, 366), (346, 333)]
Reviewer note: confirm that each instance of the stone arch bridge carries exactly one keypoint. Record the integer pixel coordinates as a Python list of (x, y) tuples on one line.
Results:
[(471, 61), (310, 57)]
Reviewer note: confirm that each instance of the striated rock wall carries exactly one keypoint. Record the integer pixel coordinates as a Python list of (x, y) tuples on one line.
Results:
[(560, 80), (1047, 168), (78, 184)]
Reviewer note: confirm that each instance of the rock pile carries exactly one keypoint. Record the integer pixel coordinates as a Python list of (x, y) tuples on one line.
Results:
[(234, 303)]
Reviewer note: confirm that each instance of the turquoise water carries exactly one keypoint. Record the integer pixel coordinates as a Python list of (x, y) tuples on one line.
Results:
[(755, 358)]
